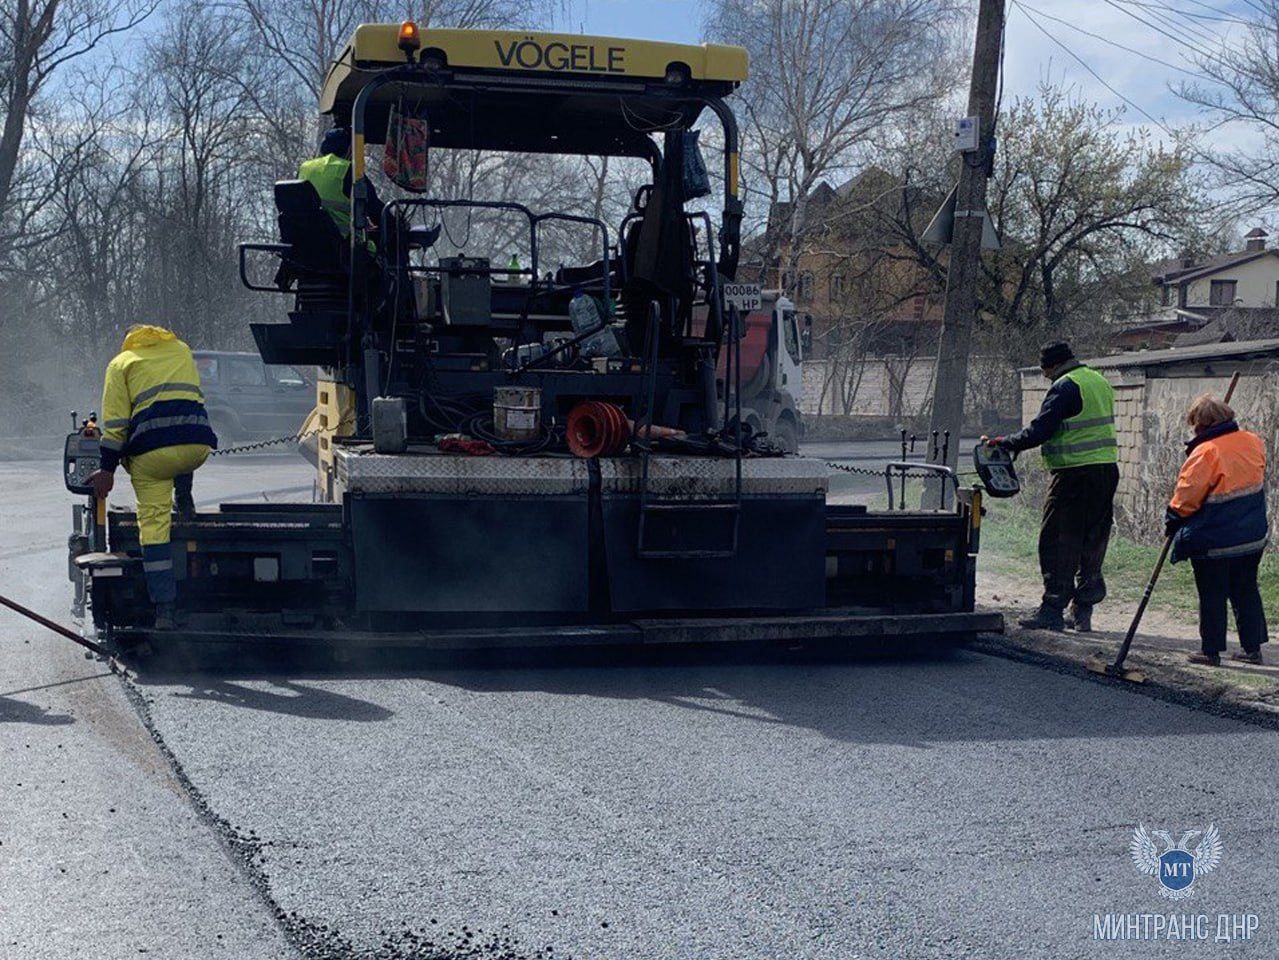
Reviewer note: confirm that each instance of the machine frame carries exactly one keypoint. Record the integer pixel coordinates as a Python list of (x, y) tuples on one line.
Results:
[(708, 540)]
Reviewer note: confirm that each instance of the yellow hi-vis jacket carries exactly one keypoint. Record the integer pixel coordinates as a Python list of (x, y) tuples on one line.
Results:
[(151, 397), (1089, 436), (328, 175)]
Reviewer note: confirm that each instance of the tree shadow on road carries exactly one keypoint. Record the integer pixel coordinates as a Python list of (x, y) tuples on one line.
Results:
[(19, 711)]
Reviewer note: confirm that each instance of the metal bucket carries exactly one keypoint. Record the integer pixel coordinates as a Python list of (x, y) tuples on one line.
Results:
[(517, 413)]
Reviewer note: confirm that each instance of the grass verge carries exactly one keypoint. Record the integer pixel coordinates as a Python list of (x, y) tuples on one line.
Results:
[(1009, 544)]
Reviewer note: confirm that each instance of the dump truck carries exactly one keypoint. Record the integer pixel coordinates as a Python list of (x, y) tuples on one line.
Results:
[(483, 478)]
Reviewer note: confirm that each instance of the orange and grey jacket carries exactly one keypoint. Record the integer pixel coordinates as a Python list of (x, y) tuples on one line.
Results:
[(1219, 506), (151, 397)]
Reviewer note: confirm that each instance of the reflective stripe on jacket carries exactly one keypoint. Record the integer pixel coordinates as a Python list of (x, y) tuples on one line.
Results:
[(151, 397), (1221, 495), (328, 175), (1089, 436)]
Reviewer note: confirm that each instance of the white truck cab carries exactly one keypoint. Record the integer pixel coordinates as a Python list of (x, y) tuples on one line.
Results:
[(772, 372)]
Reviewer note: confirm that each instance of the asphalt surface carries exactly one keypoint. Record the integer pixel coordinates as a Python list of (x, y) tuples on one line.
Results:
[(102, 853), (690, 807)]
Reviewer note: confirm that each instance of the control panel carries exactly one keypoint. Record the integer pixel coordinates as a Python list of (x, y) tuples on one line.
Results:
[(81, 456), (994, 465)]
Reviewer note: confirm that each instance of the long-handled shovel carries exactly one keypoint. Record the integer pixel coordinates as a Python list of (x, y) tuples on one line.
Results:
[(55, 627), (1098, 664)]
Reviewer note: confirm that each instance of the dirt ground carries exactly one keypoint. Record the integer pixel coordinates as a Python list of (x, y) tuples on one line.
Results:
[(1159, 651)]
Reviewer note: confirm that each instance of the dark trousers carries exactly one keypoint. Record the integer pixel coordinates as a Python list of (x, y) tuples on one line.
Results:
[(1233, 579), (1078, 515)]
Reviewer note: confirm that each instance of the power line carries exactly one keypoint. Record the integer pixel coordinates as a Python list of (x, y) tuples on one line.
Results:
[(1208, 6), (1258, 7), (1098, 36), (1102, 80), (1190, 26), (1083, 63), (1217, 15), (1175, 37)]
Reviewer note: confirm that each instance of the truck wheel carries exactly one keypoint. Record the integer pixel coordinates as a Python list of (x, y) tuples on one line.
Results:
[(786, 435)]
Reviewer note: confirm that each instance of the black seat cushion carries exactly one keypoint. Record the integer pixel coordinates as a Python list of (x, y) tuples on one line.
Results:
[(318, 245)]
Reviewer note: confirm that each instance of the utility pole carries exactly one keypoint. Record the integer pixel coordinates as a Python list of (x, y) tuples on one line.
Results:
[(951, 375)]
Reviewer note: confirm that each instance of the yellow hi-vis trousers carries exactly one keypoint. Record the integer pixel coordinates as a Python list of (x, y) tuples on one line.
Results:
[(152, 474)]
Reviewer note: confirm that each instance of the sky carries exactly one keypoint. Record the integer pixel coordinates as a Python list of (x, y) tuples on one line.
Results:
[(1031, 55)]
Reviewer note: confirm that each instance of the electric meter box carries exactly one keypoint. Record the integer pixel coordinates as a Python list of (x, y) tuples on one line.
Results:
[(966, 132)]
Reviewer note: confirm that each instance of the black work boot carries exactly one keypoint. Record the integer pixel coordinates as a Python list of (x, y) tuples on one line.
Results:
[(1079, 618), (1248, 656), (164, 616), (1045, 618)]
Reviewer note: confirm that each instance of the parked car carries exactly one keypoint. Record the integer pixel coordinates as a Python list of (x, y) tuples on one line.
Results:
[(250, 400)]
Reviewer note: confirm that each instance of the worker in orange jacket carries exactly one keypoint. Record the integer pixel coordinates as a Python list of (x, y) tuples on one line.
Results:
[(1217, 519)]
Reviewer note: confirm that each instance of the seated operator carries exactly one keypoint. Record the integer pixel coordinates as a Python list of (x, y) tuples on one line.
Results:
[(330, 174)]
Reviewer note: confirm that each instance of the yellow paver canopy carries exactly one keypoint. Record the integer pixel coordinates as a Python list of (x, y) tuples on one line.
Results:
[(539, 92)]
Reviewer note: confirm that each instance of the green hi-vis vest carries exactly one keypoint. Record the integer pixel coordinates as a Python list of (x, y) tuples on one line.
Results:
[(327, 174), (1089, 436)]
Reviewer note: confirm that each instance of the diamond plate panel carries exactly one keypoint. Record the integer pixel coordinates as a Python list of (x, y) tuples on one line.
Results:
[(360, 470), (674, 477)]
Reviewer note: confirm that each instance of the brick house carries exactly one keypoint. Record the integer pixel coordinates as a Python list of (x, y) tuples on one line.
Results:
[(869, 300), (844, 248)]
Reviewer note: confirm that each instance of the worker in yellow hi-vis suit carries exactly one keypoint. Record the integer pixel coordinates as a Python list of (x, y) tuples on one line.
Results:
[(154, 422)]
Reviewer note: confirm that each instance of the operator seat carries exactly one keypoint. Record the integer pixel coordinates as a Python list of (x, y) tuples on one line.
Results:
[(318, 247), (314, 266)]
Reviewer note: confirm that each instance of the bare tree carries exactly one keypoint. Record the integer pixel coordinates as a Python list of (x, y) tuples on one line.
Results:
[(828, 78), (37, 39), (1239, 94), (124, 195), (203, 192), (305, 36), (1084, 207), (1082, 204), (100, 211)]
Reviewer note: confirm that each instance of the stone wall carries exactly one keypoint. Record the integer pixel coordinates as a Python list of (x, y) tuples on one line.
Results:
[(1256, 406), (1129, 419)]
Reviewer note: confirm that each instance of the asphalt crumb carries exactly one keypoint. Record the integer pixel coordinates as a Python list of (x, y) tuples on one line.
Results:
[(320, 941), (316, 941)]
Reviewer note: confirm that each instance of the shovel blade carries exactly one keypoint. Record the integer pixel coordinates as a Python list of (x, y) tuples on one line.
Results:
[(1103, 667)]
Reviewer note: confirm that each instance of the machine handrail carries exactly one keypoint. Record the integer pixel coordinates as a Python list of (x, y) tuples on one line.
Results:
[(277, 248), (904, 466)]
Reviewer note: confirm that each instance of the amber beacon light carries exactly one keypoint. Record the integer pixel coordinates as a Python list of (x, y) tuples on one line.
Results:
[(409, 39)]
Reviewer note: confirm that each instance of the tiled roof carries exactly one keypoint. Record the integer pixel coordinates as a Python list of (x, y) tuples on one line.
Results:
[(1168, 271)]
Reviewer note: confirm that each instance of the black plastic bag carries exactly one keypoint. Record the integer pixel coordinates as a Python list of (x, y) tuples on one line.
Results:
[(697, 182)]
